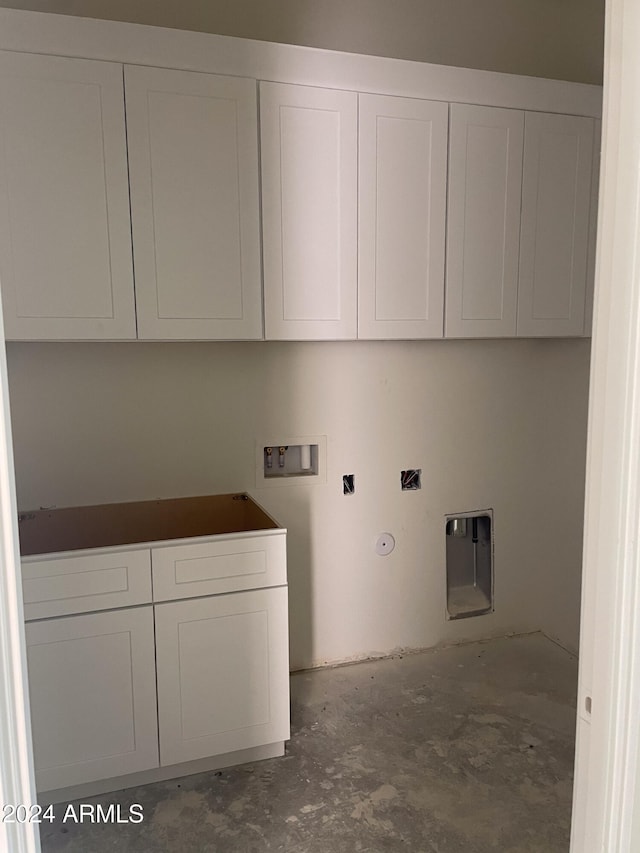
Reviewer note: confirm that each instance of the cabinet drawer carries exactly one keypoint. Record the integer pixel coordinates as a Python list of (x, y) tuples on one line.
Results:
[(59, 586), (208, 568)]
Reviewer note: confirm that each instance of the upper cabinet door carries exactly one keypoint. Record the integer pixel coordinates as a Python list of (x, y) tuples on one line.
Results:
[(309, 211), (65, 234), (483, 229), (593, 227), (402, 209), (556, 192), (193, 157)]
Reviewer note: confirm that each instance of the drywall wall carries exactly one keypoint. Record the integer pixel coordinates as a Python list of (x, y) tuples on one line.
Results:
[(558, 485), (562, 40), (497, 424)]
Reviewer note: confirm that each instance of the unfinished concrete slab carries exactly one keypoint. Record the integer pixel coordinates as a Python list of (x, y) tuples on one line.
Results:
[(460, 750)]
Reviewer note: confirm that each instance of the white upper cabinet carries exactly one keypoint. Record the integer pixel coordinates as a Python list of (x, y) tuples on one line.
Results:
[(193, 159), (483, 226), (65, 234), (309, 211), (383, 217), (556, 193), (593, 227), (402, 209)]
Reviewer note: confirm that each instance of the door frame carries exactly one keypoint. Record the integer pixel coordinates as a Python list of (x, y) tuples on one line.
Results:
[(17, 781), (607, 766)]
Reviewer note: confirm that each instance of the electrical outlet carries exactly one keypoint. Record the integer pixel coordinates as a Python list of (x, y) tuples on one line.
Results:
[(410, 479), (348, 484)]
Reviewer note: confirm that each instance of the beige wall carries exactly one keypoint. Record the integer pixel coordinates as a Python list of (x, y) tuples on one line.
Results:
[(561, 39), (497, 424)]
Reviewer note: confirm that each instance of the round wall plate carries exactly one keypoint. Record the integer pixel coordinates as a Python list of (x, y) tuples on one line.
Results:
[(385, 544)]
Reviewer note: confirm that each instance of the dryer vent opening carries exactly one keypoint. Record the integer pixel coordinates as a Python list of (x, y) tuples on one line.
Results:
[(469, 541)]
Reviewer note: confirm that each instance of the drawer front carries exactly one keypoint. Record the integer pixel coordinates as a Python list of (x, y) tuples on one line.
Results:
[(60, 586), (208, 568)]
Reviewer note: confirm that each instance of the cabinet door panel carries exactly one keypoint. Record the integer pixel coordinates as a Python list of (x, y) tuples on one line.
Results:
[(483, 229), (309, 183), (402, 195), (65, 241), (556, 190), (223, 676), (593, 228), (93, 702), (193, 153)]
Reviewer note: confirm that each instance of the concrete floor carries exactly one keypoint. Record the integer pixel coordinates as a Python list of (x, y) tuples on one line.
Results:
[(459, 750)]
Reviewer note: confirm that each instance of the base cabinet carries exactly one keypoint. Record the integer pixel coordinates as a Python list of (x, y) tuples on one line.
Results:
[(223, 675), (150, 657), (93, 696)]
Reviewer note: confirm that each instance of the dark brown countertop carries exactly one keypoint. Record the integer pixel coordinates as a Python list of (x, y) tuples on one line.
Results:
[(107, 525)]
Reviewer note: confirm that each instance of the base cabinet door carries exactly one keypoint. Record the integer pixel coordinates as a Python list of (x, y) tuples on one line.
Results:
[(223, 674), (93, 701)]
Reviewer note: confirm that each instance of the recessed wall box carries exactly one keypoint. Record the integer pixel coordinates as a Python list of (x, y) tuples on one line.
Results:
[(469, 550), (291, 460)]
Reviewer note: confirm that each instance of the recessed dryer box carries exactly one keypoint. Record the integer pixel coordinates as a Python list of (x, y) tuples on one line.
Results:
[(469, 550)]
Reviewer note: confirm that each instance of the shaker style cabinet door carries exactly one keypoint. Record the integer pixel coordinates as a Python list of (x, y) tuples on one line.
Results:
[(93, 696), (65, 234), (483, 227), (193, 159), (309, 211), (402, 208), (593, 227), (554, 235), (223, 674)]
